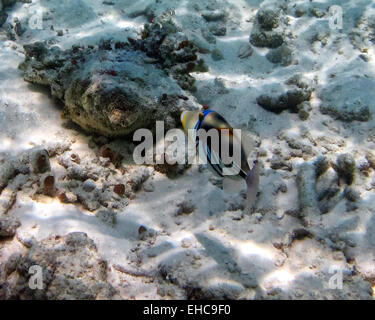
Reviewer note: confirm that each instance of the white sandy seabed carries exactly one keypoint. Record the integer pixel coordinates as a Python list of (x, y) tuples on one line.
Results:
[(229, 254)]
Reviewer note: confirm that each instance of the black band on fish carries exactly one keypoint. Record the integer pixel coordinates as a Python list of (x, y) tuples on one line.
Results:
[(199, 124)]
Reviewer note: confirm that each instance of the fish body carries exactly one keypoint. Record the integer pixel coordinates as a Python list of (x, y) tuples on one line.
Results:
[(239, 167)]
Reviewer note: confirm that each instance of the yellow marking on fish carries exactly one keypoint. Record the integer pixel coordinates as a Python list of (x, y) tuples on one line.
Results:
[(183, 118)]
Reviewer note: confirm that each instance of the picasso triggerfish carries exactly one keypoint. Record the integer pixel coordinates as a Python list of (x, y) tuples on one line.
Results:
[(214, 153)]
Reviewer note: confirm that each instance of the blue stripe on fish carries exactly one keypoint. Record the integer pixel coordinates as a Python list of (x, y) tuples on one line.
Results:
[(199, 123)]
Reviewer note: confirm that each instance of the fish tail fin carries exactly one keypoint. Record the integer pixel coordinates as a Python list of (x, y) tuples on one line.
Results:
[(252, 183)]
